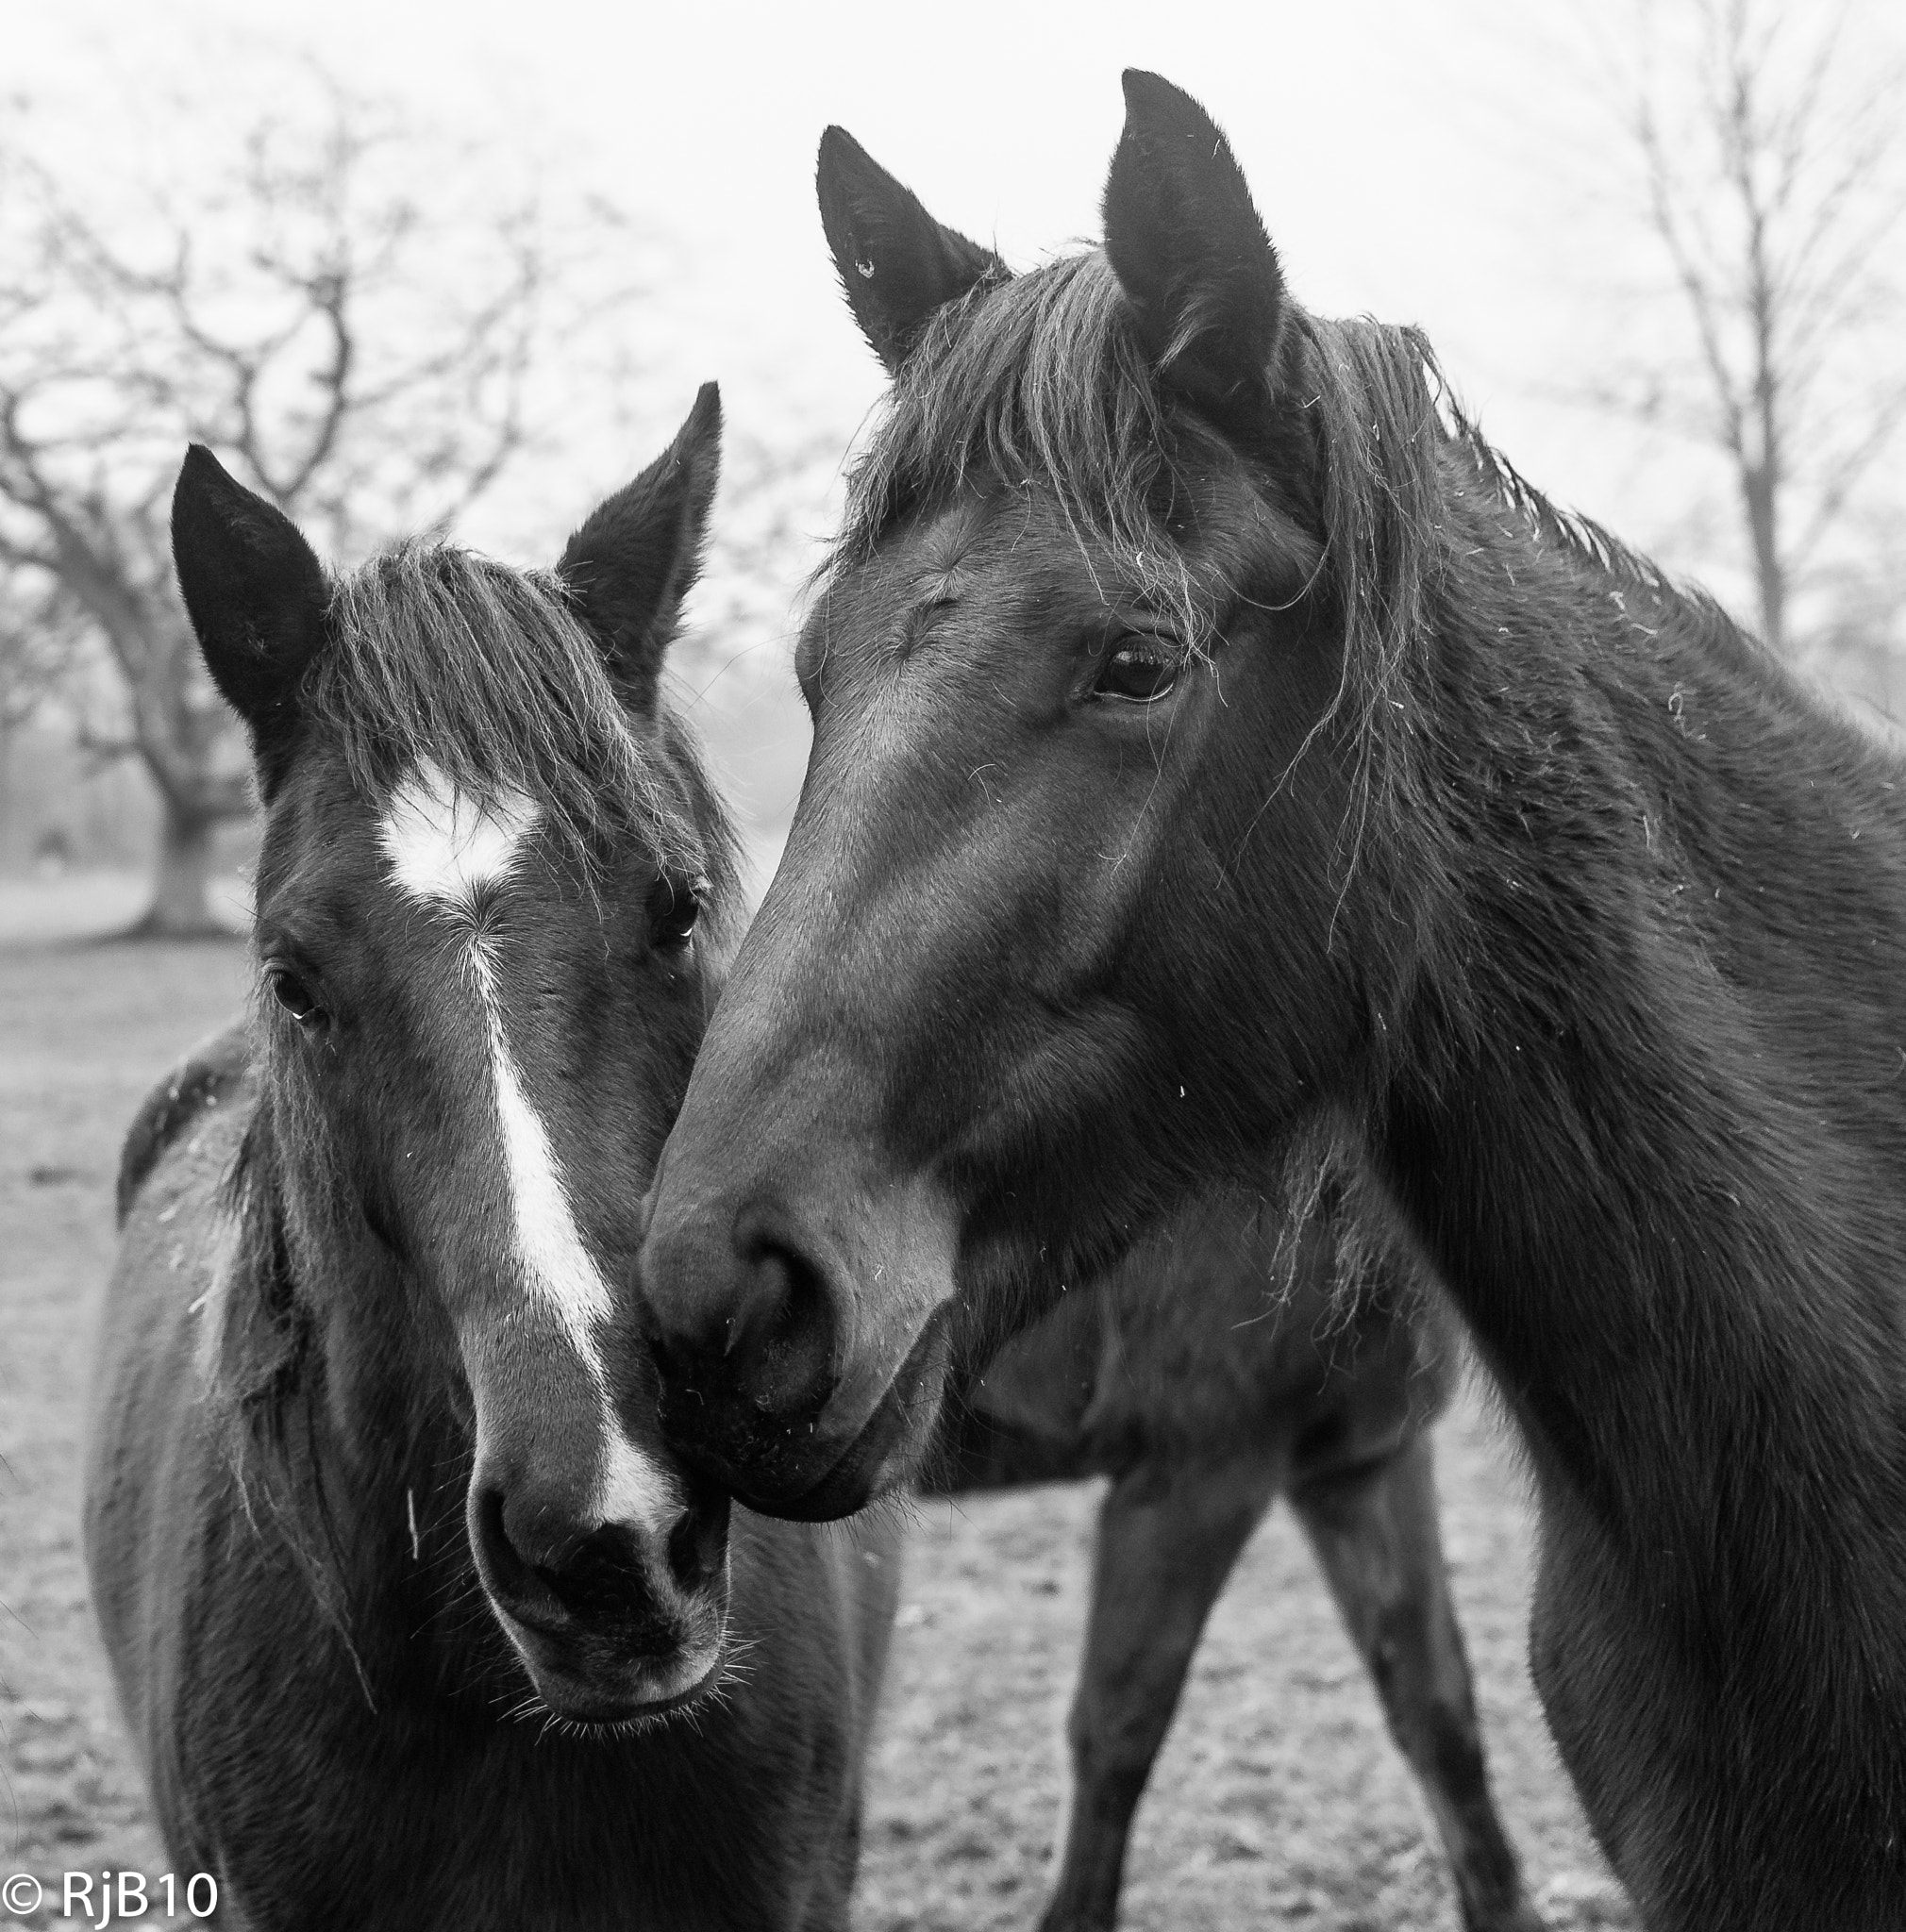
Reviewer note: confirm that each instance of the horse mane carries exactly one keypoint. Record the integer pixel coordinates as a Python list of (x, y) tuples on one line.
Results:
[(440, 654), (266, 1372), (266, 1366), (1412, 487), (1043, 378)]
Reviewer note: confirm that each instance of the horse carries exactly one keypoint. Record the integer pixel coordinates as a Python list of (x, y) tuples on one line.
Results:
[(1235, 1358), (1218, 744), (414, 1621)]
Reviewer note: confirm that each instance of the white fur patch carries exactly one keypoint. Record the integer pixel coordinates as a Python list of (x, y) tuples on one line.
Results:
[(561, 1273), (443, 846), (558, 1268), (635, 1488)]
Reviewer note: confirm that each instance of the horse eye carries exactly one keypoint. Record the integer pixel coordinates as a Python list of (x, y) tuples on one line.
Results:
[(673, 908), (294, 995), (1141, 671)]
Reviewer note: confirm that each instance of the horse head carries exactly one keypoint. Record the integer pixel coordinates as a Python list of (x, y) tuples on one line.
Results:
[(1102, 560), (490, 902)]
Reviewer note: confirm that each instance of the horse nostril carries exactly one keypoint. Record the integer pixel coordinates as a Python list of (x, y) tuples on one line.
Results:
[(781, 1345), (596, 1576), (527, 1545), (748, 1334), (544, 1535), (508, 1571), (698, 1540)]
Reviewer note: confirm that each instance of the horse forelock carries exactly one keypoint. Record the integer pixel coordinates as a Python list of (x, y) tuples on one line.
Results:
[(1039, 377), (451, 672)]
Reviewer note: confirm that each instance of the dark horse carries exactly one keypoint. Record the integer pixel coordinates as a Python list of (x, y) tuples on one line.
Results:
[(399, 1586), (1216, 743), (1233, 1359)]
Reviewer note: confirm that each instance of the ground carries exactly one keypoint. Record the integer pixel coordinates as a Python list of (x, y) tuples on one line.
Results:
[(1279, 1800)]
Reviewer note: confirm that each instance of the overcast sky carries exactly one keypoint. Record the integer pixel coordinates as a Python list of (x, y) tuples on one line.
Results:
[(1409, 159)]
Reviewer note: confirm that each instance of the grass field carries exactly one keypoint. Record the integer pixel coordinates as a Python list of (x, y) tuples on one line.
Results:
[(1278, 1801)]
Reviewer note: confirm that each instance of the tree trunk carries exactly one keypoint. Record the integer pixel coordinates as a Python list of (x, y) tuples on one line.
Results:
[(1760, 494), (181, 899)]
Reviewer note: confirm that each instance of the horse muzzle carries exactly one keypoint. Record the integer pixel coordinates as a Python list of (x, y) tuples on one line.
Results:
[(612, 1621), (801, 1338), (796, 1466)]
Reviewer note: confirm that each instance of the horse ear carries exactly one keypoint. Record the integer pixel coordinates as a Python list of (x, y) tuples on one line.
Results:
[(254, 591), (897, 263), (1190, 252), (636, 557)]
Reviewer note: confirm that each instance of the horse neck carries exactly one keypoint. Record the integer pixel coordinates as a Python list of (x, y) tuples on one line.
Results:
[(1645, 1111)]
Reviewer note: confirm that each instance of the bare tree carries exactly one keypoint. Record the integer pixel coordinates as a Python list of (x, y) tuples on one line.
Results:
[(38, 646), (362, 357), (1769, 143)]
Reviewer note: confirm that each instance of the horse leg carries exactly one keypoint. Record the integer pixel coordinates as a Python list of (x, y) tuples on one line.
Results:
[(1376, 1534), (1167, 1539)]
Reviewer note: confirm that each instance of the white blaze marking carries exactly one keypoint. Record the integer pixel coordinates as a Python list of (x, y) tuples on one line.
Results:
[(633, 1488), (443, 847), (557, 1263)]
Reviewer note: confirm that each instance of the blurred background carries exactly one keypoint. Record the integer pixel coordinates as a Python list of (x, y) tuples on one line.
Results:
[(415, 265), (403, 265)]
